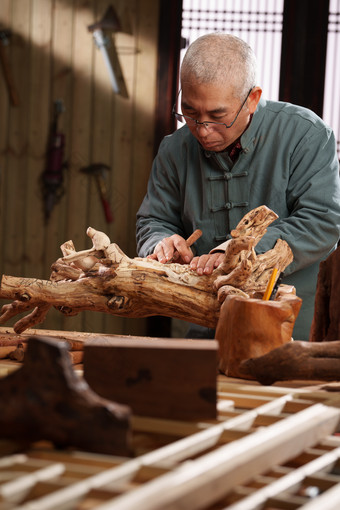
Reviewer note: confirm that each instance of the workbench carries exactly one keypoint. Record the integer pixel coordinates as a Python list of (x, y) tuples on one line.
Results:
[(269, 447)]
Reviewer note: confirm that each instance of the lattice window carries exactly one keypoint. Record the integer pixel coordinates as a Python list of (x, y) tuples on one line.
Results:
[(259, 22)]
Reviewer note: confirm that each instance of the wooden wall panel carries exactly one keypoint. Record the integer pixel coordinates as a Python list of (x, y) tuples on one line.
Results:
[(53, 56), (38, 101), (15, 167), (4, 109)]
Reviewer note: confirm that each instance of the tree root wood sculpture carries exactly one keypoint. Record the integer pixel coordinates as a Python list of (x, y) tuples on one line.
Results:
[(104, 279)]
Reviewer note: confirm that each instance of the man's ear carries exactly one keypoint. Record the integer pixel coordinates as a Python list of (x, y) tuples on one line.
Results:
[(254, 98)]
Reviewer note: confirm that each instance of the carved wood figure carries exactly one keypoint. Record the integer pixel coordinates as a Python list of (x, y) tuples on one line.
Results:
[(104, 279)]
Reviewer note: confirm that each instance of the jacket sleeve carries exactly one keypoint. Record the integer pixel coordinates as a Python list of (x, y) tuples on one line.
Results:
[(159, 215), (313, 199)]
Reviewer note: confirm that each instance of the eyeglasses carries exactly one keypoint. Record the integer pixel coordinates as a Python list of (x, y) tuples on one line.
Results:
[(207, 124)]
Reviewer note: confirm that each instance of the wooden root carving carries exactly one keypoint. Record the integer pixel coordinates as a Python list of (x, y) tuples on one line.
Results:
[(104, 279), (250, 328)]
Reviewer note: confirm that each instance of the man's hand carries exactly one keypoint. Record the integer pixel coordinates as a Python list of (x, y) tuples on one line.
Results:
[(205, 264), (172, 249)]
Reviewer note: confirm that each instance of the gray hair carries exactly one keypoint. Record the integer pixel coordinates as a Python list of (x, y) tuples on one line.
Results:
[(223, 59)]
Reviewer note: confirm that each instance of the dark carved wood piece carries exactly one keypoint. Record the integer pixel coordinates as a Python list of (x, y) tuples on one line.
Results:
[(296, 360), (46, 400)]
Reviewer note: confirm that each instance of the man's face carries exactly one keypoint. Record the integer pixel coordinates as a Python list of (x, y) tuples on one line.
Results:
[(216, 103)]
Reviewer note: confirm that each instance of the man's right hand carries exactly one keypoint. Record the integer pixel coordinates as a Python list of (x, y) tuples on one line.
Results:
[(172, 249)]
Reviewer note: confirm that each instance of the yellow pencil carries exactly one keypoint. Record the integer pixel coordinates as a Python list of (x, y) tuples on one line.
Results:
[(270, 285)]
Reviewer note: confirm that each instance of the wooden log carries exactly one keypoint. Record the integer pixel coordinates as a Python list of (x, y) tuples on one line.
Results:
[(163, 378), (296, 360), (13, 346), (73, 339), (45, 399)]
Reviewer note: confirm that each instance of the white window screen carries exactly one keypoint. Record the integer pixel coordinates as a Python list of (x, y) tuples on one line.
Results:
[(258, 22), (331, 106)]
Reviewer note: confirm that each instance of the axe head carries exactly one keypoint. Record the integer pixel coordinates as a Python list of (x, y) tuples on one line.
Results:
[(109, 22)]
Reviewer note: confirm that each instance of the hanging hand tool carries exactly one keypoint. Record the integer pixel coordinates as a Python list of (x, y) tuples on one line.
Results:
[(98, 170), (12, 91), (109, 23), (52, 177)]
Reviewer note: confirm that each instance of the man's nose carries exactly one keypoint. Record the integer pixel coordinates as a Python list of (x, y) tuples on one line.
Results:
[(202, 124)]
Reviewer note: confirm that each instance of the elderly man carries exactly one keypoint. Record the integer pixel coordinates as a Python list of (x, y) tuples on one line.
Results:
[(236, 152)]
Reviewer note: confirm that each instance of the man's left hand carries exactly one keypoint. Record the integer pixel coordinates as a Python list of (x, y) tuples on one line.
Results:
[(205, 264)]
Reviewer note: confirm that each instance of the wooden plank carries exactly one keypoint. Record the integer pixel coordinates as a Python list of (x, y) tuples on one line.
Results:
[(81, 113), (38, 131), (123, 112), (145, 94), (17, 139), (157, 377), (100, 147), (5, 15), (61, 88)]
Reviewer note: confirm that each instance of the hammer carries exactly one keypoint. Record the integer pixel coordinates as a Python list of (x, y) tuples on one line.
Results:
[(4, 41), (98, 170)]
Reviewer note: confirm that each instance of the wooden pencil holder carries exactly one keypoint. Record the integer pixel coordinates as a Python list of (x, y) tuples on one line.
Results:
[(249, 328)]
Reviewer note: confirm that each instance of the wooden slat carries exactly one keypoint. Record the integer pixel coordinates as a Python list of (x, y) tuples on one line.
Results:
[(123, 112), (13, 489), (18, 149), (287, 481), (38, 131), (248, 469), (145, 98), (82, 123), (61, 88), (5, 111), (209, 478), (100, 145)]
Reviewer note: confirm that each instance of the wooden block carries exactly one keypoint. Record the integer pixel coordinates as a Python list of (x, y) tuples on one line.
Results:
[(163, 378)]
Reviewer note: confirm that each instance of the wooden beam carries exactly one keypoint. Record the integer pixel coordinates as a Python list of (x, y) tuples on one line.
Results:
[(303, 59)]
